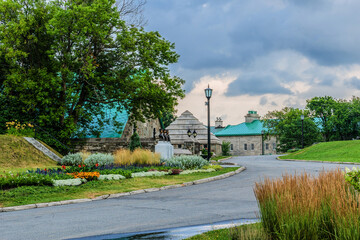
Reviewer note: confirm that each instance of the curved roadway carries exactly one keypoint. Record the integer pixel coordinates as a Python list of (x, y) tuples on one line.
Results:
[(227, 199)]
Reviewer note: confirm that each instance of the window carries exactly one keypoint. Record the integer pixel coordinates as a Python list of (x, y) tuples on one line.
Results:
[(267, 146), (252, 146), (245, 146), (274, 146), (231, 147), (179, 145)]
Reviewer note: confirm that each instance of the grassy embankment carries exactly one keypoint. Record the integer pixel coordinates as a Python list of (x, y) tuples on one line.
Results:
[(338, 151), (17, 155)]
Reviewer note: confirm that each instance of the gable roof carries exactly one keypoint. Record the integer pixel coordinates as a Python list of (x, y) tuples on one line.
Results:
[(242, 129), (178, 130)]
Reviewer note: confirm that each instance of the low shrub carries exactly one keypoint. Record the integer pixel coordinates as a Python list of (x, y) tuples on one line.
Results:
[(72, 159), (101, 159), (138, 157), (149, 174), (225, 148), (86, 175), (353, 177), (111, 177), (186, 162), (197, 171), (8, 181), (16, 128), (215, 167), (69, 182)]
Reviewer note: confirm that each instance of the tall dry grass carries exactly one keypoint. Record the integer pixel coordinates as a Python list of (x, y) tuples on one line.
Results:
[(84, 154), (125, 157), (306, 207)]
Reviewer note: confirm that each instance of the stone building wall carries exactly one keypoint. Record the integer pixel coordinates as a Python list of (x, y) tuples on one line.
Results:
[(110, 145), (238, 142)]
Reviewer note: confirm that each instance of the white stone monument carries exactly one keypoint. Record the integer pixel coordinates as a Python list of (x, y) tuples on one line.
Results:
[(165, 149)]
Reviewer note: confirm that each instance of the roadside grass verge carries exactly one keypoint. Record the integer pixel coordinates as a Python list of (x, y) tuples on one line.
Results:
[(217, 158), (40, 194), (337, 151), (243, 232)]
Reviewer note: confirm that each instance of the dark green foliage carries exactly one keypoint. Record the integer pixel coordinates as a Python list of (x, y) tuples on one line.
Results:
[(134, 142), (225, 148), (286, 125), (167, 118), (63, 63), (11, 181), (339, 118)]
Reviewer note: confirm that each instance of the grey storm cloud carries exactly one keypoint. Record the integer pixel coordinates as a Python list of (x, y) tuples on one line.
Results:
[(256, 85), (213, 37), (354, 82)]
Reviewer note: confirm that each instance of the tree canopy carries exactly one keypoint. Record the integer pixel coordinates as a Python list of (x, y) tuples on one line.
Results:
[(286, 124), (63, 62)]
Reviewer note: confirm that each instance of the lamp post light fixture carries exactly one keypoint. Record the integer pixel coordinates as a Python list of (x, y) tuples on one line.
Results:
[(208, 93), (194, 133), (262, 142), (302, 131)]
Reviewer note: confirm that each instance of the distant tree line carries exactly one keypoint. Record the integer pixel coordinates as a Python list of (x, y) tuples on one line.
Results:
[(325, 119)]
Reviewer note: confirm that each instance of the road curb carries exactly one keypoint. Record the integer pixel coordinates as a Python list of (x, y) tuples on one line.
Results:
[(119, 195), (299, 160)]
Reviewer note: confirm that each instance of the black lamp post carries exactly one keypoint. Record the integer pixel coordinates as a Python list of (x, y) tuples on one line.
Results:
[(302, 131), (262, 142), (208, 92)]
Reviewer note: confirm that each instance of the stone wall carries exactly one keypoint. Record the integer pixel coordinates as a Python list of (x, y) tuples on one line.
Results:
[(238, 143), (109, 145)]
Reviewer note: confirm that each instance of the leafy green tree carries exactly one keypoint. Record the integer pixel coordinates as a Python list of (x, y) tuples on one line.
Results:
[(168, 118), (134, 142), (64, 62), (323, 109), (286, 125), (225, 148)]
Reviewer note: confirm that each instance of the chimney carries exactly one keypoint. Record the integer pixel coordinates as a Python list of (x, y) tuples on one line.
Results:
[(251, 116), (218, 122)]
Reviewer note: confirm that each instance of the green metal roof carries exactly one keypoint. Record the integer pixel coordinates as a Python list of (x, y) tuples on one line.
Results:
[(242, 129), (110, 130), (215, 130)]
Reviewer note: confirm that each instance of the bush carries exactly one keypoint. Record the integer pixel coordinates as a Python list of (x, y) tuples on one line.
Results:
[(8, 181), (72, 159), (86, 175), (134, 142), (99, 158), (140, 157), (68, 182), (111, 177), (353, 177), (15, 128), (225, 148), (186, 162), (215, 167)]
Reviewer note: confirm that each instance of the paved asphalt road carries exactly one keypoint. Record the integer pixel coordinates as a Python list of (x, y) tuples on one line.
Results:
[(227, 199)]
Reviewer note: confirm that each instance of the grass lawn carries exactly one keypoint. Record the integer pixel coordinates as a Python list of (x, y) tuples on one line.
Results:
[(38, 194), (217, 158), (337, 151), (246, 232)]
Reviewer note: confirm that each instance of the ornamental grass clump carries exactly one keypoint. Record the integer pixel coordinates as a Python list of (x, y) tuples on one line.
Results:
[(72, 159), (139, 157), (186, 162), (99, 159), (305, 207)]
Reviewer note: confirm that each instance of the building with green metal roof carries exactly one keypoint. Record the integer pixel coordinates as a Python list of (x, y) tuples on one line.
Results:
[(246, 138)]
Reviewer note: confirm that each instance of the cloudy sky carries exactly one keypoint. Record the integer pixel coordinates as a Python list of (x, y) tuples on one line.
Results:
[(260, 54)]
